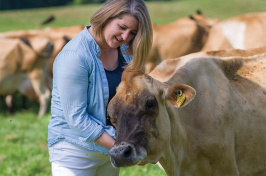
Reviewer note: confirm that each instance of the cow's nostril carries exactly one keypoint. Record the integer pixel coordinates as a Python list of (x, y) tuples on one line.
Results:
[(126, 155), (128, 152)]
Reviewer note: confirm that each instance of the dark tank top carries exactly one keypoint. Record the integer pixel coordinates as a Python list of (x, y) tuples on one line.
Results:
[(114, 78)]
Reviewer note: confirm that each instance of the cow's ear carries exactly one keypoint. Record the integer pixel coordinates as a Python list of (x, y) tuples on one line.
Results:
[(179, 95)]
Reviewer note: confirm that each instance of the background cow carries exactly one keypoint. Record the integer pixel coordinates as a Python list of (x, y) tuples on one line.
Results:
[(240, 32), (58, 36), (23, 68), (184, 36), (207, 118)]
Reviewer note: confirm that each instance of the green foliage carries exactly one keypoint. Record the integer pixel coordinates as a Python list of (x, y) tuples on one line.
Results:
[(80, 2), (25, 4)]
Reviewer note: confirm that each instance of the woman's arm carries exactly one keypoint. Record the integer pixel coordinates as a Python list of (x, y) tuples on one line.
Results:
[(71, 81), (105, 140)]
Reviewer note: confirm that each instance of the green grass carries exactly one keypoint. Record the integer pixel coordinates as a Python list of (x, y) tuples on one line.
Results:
[(169, 11), (23, 148), (161, 12), (24, 152)]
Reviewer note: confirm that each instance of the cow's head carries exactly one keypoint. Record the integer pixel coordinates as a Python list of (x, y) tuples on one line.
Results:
[(204, 26), (139, 111)]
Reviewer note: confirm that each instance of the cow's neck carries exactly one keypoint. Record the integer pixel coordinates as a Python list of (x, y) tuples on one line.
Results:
[(173, 155)]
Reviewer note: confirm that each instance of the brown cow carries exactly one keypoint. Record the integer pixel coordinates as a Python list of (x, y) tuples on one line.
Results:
[(240, 32), (23, 67), (59, 37), (165, 70), (208, 118), (184, 36)]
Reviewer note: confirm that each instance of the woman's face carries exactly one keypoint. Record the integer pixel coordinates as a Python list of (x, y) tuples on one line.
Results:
[(119, 31)]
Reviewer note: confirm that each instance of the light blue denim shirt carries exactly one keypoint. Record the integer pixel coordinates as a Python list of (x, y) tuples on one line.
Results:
[(80, 94)]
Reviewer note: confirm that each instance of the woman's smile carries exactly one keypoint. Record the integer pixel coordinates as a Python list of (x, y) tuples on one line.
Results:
[(119, 31)]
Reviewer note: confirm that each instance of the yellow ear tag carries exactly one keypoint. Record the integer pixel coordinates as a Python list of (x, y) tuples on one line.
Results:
[(181, 97)]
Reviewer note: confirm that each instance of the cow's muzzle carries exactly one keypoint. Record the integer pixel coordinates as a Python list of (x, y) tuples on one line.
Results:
[(126, 154)]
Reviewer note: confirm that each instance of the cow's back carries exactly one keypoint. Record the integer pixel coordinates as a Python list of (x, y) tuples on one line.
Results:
[(241, 32), (184, 36), (16, 59), (13, 54)]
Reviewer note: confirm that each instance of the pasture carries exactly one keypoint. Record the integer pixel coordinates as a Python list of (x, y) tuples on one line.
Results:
[(23, 148)]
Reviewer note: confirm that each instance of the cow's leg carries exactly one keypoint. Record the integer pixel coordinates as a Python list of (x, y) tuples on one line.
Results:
[(9, 99), (3, 104), (42, 91)]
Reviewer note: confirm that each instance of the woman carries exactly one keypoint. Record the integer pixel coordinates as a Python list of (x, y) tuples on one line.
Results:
[(86, 74)]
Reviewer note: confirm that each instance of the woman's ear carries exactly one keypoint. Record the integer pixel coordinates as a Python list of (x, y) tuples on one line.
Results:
[(179, 95)]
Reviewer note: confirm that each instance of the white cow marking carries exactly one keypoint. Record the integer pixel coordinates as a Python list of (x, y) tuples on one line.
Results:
[(235, 33)]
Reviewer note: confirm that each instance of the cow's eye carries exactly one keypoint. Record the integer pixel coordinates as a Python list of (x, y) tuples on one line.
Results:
[(151, 104), (179, 93)]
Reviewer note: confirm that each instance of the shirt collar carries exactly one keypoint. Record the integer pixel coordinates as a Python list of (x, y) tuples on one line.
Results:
[(96, 46)]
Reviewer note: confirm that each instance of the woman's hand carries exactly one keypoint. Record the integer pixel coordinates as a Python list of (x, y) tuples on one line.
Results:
[(105, 140)]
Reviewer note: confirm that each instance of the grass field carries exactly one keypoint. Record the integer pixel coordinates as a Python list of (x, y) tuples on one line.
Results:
[(24, 152), (161, 12), (23, 148)]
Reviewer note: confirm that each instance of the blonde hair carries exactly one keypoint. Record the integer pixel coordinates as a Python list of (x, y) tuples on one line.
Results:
[(140, 46)]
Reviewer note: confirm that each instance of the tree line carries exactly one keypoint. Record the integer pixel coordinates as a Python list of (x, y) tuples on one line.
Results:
[(26, 4)]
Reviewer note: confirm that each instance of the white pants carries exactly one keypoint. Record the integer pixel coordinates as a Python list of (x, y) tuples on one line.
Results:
[(71, 160)]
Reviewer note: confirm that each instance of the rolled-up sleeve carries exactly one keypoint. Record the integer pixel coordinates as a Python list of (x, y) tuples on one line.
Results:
[(71, 74)]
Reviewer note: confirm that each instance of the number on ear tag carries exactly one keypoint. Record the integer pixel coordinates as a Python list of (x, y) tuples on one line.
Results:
[(181, 97)]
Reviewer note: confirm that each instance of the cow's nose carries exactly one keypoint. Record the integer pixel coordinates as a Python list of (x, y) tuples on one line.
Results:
[(123, 155)]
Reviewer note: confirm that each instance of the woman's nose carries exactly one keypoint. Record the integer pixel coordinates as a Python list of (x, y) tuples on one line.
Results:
[(125, 35)]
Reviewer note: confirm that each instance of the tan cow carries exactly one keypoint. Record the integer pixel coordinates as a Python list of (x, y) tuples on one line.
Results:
[(59, 37), (240, 32), (207, 119), (23, 67), (184, 36), (166, 69)]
